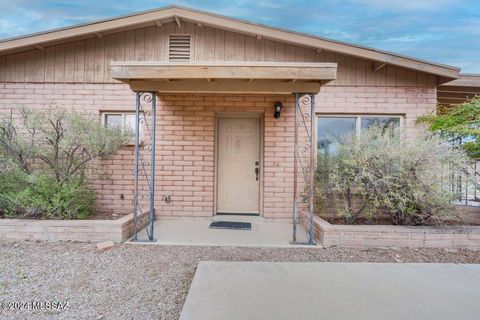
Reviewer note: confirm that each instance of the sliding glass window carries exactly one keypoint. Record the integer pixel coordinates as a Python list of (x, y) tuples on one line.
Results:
[(331, 129)]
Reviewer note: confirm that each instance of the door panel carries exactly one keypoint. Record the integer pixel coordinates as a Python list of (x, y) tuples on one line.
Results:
[(238, 146)]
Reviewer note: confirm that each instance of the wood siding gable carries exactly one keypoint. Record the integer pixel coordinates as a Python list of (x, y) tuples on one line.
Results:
[(88, 60)]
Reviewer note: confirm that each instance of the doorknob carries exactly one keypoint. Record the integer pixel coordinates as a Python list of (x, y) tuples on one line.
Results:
[(256, 173)]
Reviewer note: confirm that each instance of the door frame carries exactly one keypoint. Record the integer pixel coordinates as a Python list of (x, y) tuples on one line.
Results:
[(239, 115)]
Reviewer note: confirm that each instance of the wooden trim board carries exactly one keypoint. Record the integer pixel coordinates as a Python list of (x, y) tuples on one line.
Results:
[(251, 71), (225, 86)]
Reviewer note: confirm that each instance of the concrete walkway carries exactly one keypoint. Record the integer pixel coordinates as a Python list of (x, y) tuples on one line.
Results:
[(340, 291), (195, 231)]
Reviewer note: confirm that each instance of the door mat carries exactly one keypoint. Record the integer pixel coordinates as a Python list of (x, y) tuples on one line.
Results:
[(231, 225)]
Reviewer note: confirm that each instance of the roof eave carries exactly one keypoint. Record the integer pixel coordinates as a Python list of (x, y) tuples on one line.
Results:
[(465, 80), (232, 24)]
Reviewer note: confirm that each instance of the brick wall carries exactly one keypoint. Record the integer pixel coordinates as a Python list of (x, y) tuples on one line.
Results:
[(185, 137), (410, 102), (330, 235), (185, 159), (71, 230)]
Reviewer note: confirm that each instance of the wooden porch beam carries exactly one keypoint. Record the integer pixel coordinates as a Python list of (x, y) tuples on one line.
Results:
[(234, 86), (273, 71)]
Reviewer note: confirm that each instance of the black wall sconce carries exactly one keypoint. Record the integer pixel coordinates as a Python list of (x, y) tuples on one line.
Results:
[(278, 109)]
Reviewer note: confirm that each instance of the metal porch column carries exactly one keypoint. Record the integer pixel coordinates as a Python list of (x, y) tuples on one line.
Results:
[(304, 166), (141, 163)]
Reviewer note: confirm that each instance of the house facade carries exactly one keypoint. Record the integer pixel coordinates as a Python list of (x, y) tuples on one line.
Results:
[(219, 147)]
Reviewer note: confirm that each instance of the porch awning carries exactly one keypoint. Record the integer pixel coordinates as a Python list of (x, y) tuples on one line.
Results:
[(211, 77)]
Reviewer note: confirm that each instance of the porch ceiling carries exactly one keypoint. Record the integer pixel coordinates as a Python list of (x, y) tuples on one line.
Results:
[(265, 77)]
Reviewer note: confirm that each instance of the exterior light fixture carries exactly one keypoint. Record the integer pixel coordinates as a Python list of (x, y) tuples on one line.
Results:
[(278, 109)]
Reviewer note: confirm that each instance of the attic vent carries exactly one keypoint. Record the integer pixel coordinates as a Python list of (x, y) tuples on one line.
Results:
[(179, 48)]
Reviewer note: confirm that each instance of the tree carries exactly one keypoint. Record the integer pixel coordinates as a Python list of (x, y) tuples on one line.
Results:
[(460, 124)]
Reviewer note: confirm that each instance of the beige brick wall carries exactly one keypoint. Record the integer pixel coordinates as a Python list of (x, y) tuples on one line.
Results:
[(409, 102), (186, 170), (71, 230), (185, 137), (396, 236)]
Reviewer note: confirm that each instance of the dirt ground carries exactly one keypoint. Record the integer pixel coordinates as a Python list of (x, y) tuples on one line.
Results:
[(144, 282)]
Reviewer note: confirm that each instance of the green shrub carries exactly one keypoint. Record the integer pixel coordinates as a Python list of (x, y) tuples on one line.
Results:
[(383, 172), (40, 196), (45, 162)]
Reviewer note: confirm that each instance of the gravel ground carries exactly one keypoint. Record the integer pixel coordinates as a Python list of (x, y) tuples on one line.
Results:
[(147, 282)]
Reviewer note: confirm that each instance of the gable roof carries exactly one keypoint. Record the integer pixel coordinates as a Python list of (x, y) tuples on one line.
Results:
[(176, 13), (459, 90), (465, 80)]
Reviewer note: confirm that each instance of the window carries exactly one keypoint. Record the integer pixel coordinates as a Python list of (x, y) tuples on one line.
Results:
[(179, 48), (125, 120), (367, 122), (331, 128)]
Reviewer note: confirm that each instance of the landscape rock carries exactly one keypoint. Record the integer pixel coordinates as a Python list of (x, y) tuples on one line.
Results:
[(106, 245), (148, 282)]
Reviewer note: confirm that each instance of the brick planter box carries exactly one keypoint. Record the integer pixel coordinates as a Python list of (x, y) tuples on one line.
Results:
[(70, 230), (396, 236)]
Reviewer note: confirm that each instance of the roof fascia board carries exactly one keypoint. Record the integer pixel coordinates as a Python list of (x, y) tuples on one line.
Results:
[(465, 80), (88, 29)]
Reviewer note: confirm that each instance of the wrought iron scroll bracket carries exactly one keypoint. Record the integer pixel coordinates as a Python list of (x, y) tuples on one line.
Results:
[(143, 169), (304, 166)]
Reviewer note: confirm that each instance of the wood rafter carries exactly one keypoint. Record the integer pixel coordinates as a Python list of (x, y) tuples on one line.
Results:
[(378, 65), (178, 21)]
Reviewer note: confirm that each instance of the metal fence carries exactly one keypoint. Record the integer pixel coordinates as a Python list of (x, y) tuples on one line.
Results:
[(467, 185)]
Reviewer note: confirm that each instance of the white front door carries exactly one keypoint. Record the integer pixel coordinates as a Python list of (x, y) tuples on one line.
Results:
[(238, 187)]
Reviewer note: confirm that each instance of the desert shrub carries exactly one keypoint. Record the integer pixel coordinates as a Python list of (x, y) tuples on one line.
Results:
[(44, 197), (46, 158), (382, 172)]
